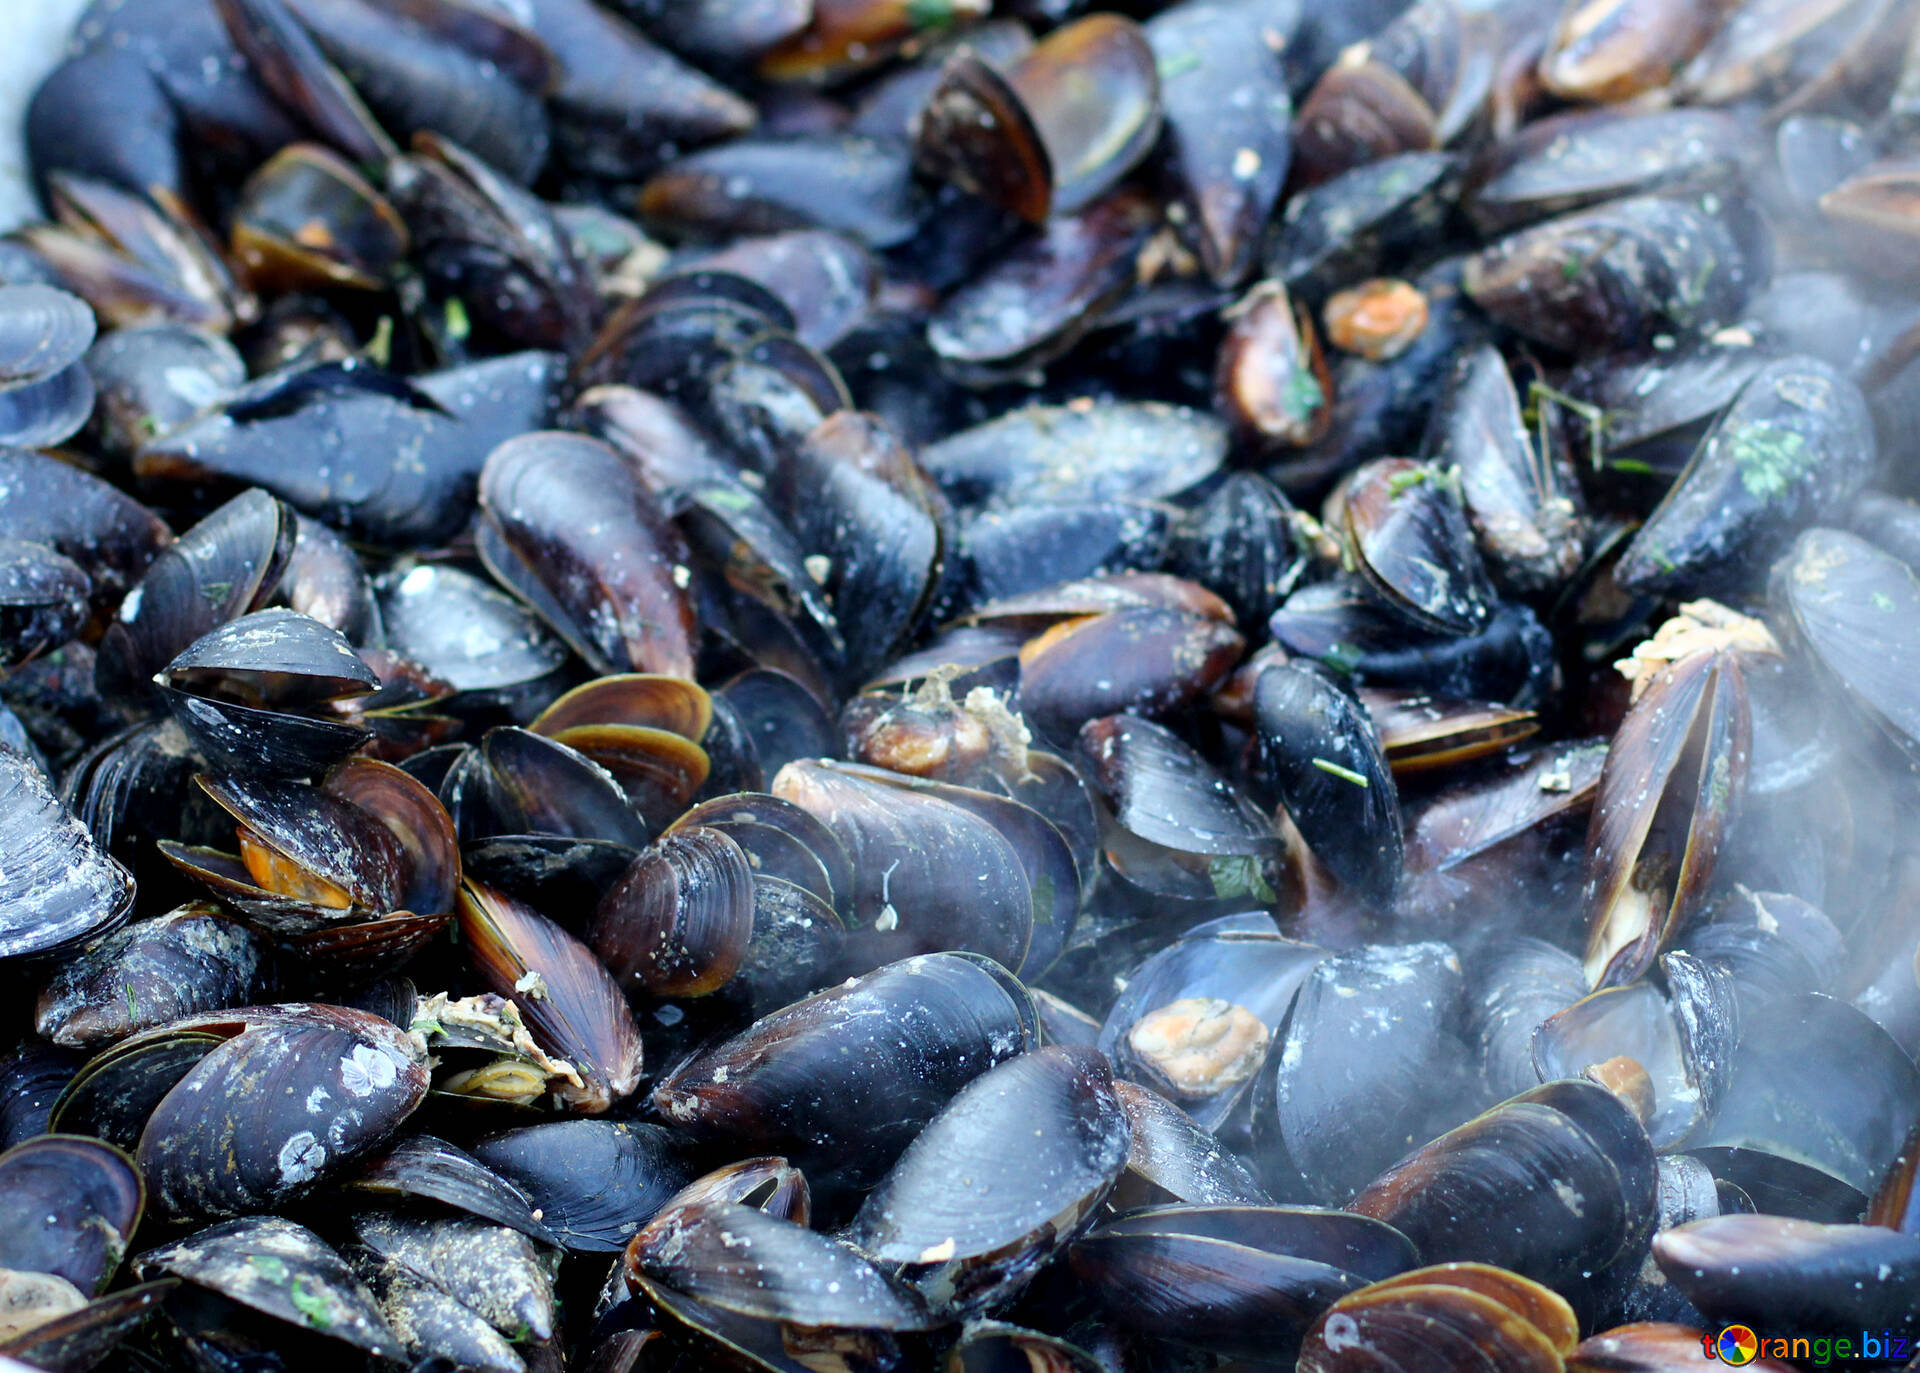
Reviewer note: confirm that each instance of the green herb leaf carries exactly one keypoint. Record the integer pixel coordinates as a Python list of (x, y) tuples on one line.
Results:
[(1301, 395), (267, 1266), (1177, 64), (1344, 774), (1770, 458), (313, 1305), (458, 325), (1237, 876)]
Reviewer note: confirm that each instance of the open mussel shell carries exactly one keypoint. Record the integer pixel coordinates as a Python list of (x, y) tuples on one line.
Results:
[(1844, 1117), (1684, 1040), (1271, 378), (1844, 596), (569, 1000), (1566, 1165), (800, 1080), (969, 1214), (743, 1260), (1196, 1017), (1672, 778), (1171, 1158), (217, 1143), (1369, 1064), (1407, 526), (271, 659), (281, 1270), (435, 1327), (307, 220), (1794, 448), (929, 874), (594, 1183), (1067, 120), (307, 858), (1238, 1281), (1518, 488), (1795, 1274), (145, 974), (222, 568), (84, 1338), (72, 1205), (421, 1168), (1317, 749), (58, 888), (609, 588)]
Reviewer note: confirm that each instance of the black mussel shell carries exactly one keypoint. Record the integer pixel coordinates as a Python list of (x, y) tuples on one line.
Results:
[(801, 1079), (594, 1183), (1794, 448), (58, 888), (189, 960), (1003, 1178)]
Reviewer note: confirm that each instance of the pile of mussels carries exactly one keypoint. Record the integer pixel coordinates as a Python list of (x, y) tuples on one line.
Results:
[(846, 685)]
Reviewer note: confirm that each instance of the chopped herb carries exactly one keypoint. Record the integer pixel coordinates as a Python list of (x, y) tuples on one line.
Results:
[(216, 592), (313, 1305), (1177, 64), (1301, 396), (148, 425), (1539, 393), (1635, 466), (1401, 482), (1238, 875), (930, 14), (458, 325), (1571, 267), (1770, 458), (271, 1268), (133, 1001), (380, 347), (1344, 774), (1043, 893), (1342, 658)]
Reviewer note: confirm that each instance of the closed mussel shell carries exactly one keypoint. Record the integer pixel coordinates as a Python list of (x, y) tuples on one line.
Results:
[(223, 1142), (1317, 749), (1566, 1166), (679, 920), (1794, 447), (1443, 1317), (1239, 1281), (1147, 662), (593, 1182), (281, 1270), (57, 888), (608, 587), (929, 875), (148, 973), (1795, 1274), (741, 1259), (872, 1059), (1170, 1158), (492, 1270), (423, 1168), (1001, 1180)]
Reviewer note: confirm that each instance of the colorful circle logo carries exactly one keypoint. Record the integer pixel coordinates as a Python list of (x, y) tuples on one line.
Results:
[(1738, 1345)]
